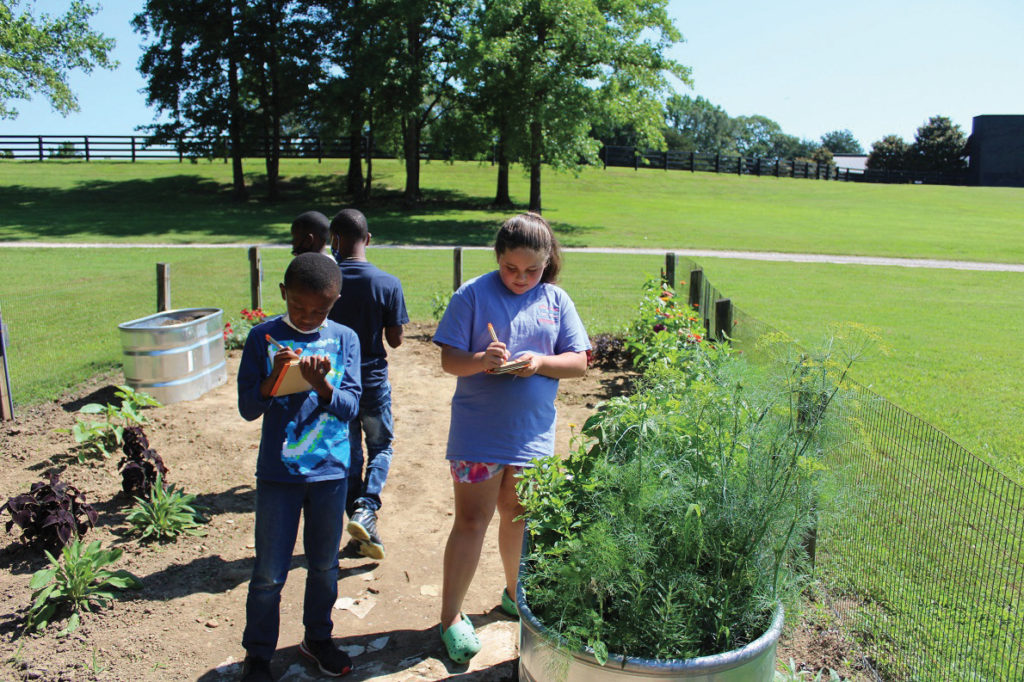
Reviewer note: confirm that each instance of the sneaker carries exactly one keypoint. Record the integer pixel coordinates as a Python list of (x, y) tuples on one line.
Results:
[(331, 660), (256, 670), (363, 527)]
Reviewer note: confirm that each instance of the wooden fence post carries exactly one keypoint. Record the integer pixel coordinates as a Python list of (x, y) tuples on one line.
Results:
[(696, 284), (670, 269), (6, 402), (40, 140), (692, 164), (86, 138), (718, 162), (255, 278), (723, 319), (456, 268), (163, 287), (739, 165)]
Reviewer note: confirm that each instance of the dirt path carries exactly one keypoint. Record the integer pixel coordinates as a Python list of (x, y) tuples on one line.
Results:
[(186, 624)]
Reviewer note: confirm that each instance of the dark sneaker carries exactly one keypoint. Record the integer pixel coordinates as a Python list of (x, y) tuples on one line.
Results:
[(363, 527), (256, 670), (331, 660)]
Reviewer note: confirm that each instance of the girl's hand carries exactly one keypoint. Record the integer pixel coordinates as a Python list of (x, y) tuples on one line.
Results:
[(530, 369), (495, 355)]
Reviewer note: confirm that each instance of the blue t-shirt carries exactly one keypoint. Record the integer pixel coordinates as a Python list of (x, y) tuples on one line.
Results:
[(501, 417), (303, 438), (371, 300)]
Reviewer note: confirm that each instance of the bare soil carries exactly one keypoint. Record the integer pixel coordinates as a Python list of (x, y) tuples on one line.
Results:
[(186, 623)]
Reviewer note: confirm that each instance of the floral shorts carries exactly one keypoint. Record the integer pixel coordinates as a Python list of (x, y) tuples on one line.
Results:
[(475, 472)]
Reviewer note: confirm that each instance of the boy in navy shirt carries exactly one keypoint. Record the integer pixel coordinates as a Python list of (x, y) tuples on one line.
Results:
[(303, 460), (373, 305)]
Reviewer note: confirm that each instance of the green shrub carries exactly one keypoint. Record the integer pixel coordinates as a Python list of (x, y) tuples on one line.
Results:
[(80, 583), (237, 331), (168, 514)]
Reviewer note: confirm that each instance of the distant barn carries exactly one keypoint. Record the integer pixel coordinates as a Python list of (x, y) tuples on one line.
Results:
[(996, 148)]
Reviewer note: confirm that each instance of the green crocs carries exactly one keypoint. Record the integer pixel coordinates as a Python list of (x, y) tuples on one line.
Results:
[(460, 640), (508, 605)]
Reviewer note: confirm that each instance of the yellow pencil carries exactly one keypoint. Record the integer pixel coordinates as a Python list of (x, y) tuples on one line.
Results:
[(490, 328)]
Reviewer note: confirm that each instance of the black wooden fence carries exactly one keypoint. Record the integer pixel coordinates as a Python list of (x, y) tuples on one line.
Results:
[(142, 147)]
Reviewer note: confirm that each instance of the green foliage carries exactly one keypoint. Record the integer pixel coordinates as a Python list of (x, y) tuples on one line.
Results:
[(841, 142), (168, 514), (674, 529), (79, 582), (439, 303), (39, 53), (939, 145), (66, 150), (666, 330), (104, 438)]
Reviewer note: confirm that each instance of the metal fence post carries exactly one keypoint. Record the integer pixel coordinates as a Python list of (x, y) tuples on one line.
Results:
[(6, 402), (163, 287), (670, 269), (723, 319), (456, 268), (696, 284), (255, 278)]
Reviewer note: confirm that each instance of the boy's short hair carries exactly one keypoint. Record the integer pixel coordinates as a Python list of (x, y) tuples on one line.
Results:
[(315, 223), (350, 224), (313, 272)]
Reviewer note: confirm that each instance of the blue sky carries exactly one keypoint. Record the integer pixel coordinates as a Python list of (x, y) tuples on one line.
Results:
[(873, 66)]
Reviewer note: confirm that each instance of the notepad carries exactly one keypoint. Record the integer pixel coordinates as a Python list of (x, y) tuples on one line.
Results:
[(290, 380), (511, 366)]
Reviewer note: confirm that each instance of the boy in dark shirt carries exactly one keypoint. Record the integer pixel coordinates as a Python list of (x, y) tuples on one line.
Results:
[(372, 304), (311, 233), (303, 460)]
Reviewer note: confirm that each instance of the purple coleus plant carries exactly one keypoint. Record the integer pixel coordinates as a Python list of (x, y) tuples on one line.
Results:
[(140, 465), (51, 514)]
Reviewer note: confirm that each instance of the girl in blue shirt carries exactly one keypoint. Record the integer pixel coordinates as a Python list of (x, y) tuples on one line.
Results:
[(501, 422)]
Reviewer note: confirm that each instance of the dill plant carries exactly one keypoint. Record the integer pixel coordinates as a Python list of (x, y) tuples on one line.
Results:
[(674, 529)]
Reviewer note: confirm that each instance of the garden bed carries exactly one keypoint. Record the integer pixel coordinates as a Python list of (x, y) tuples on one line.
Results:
[(186, 623)]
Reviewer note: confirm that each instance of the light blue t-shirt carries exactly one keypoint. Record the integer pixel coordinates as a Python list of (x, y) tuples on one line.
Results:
[(501, 417)]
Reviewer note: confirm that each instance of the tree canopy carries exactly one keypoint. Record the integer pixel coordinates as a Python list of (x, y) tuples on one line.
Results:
[(37, 54), (841, 142)]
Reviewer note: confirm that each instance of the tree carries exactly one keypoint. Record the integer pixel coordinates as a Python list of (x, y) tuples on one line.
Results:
[(754, 135), (841, 142), (576, 64), (940, 145), (889, 153), (785, 146), (37, 54), (193, 71), (822, 156), (701, 126)]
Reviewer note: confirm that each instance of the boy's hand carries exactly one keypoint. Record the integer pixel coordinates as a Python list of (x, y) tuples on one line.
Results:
[(282, 358), (315, 369), (495, 355)]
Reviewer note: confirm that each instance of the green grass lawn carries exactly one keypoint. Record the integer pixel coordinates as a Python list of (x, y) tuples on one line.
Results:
[(952, 333), (168, 201)]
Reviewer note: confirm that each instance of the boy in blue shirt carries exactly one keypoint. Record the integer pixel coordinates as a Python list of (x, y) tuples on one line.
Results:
[(303, 460), (372, 304)]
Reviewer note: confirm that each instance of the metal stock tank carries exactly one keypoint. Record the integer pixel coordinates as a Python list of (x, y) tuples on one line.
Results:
[(175, 355), (542, 660)]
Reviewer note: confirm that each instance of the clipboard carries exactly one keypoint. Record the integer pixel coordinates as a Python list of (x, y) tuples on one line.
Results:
[(290, 380)]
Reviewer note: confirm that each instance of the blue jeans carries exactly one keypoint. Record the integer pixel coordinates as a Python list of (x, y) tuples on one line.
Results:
[(376, 424), (278, 506)]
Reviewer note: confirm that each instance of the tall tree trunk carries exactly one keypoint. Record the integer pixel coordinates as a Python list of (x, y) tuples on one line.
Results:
[(502, 198), (535, 159), (369, 149), (354, 181), (411, 124), (238, 190), (411, 134)]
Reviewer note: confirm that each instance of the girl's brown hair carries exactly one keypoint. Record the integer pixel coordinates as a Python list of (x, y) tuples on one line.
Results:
[(531, 231)]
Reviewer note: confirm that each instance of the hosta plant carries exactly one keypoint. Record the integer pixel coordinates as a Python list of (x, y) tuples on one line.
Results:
[(79, 582), (141, 465), (166, 515), (50, 514)]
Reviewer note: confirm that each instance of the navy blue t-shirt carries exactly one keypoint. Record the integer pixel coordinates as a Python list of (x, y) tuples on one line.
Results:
[(371, 300)]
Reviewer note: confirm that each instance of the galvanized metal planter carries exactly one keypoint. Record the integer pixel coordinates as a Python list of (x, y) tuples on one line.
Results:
[(542, 659), (175, 355)]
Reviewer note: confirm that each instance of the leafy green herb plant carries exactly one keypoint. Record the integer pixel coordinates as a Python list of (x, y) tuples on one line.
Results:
[(439, 303), (80, 583), (103, 438), (168, 514)]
